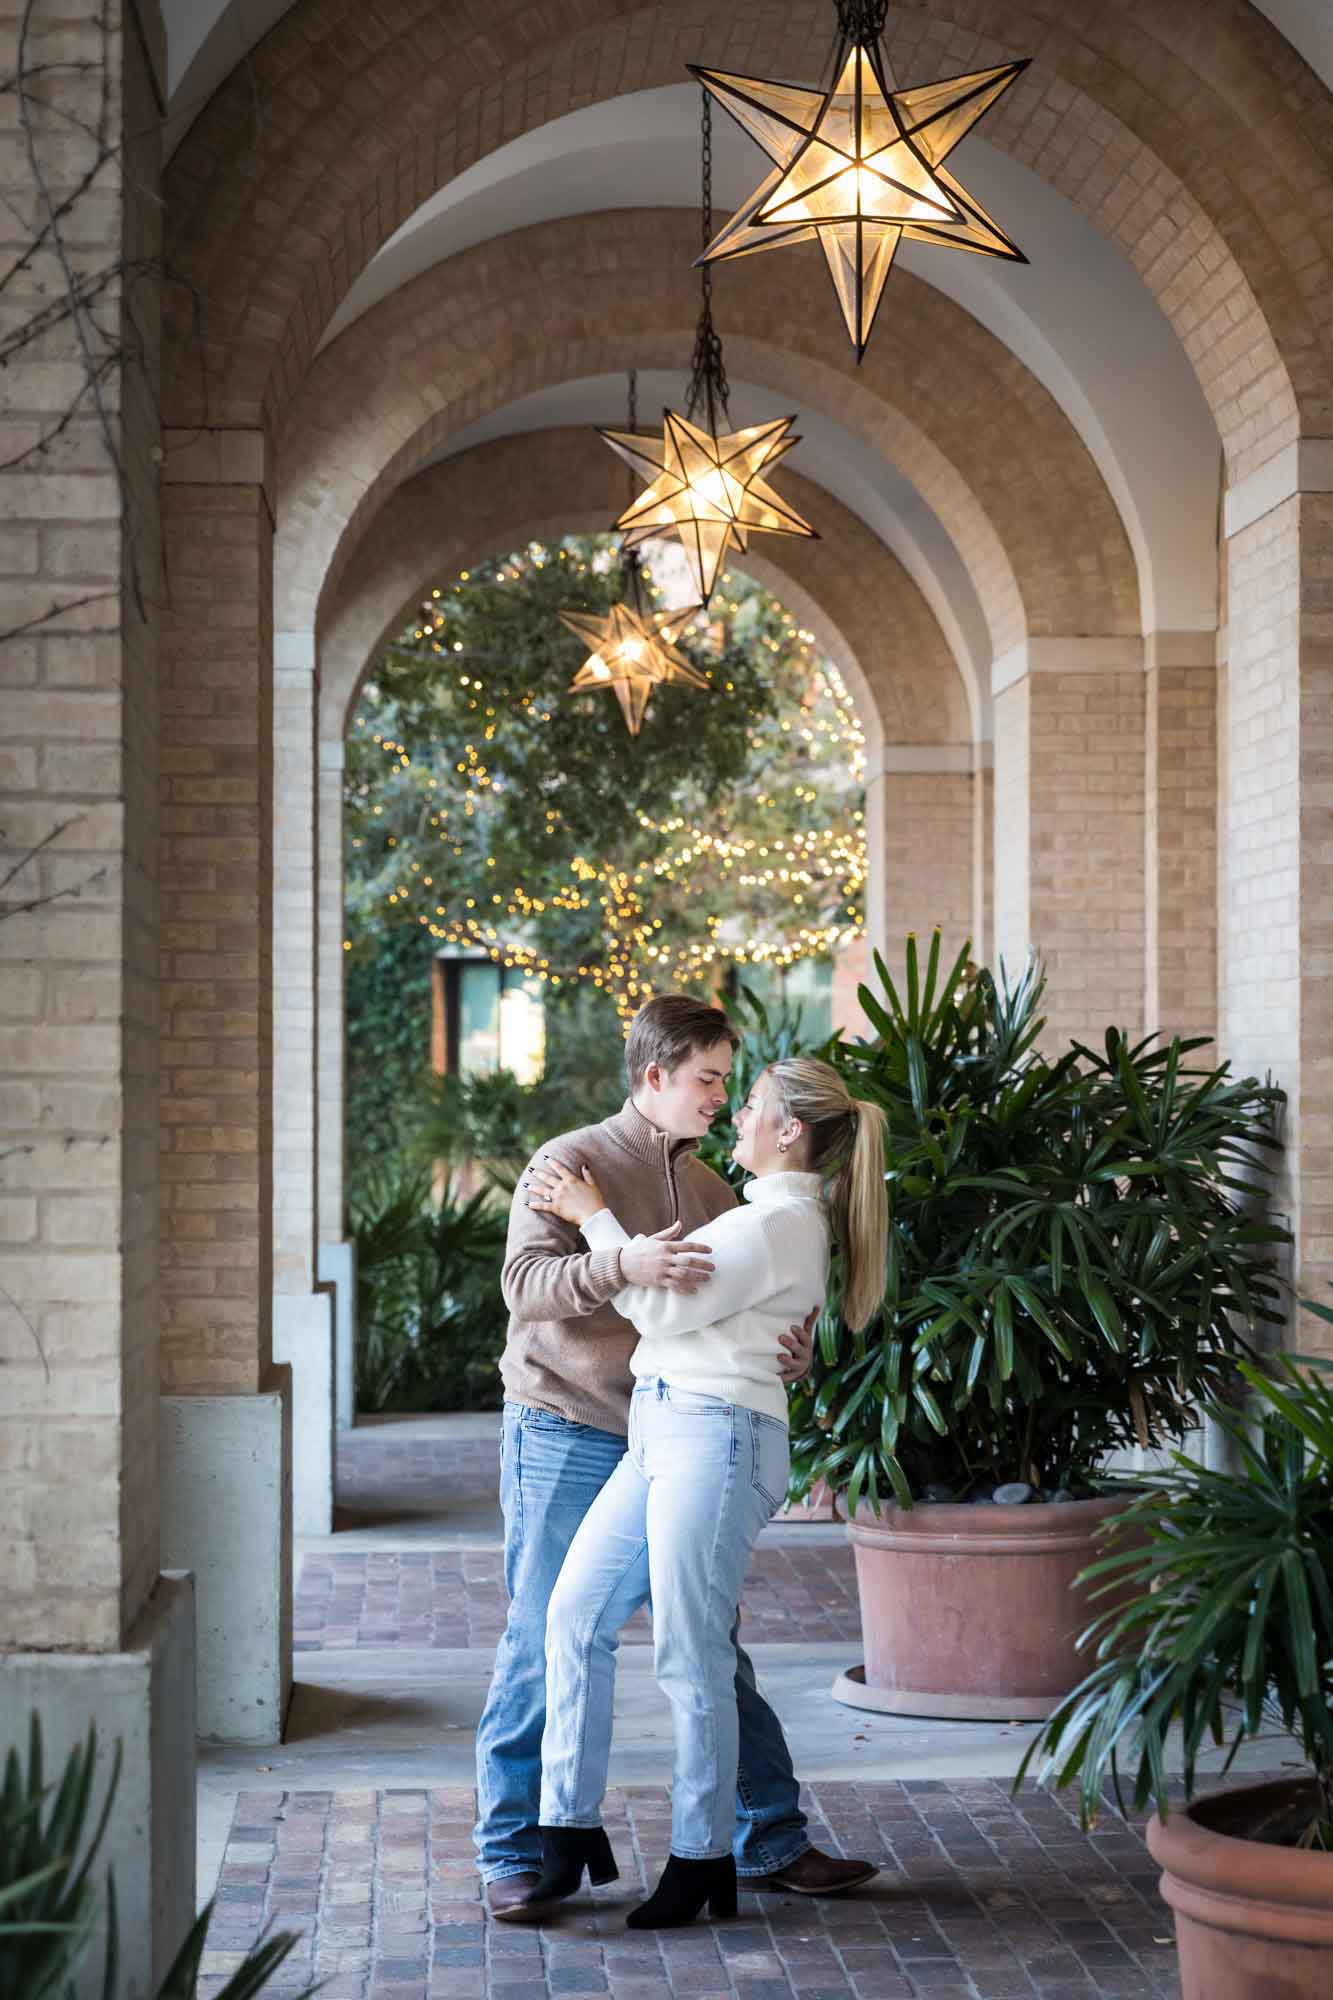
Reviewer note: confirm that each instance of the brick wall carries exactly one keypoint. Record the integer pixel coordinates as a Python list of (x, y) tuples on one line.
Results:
[(1069, 833), (1180, 806), (922, 823), (217, 971), (78, 999), (1086, 854), (852, 968)]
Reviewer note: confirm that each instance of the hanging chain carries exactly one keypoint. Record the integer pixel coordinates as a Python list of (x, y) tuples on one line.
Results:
[(709, 388), (706, 170), (629, 558), (861, 21)]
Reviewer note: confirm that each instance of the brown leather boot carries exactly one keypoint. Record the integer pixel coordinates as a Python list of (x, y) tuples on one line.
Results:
[(815, 1874), (506, 1897)]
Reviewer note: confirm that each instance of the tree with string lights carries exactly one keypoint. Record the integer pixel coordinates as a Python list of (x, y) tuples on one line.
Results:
[(487, 806)]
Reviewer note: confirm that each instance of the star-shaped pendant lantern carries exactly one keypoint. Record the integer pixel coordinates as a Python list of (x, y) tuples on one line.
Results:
[(708, 488), (859, 167), (632, 651)]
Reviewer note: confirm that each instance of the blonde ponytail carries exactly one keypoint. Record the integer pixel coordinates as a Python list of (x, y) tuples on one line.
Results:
[(847, 1147)]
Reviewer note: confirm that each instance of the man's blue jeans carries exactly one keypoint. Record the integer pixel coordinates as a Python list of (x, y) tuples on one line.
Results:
[(550, 1473)]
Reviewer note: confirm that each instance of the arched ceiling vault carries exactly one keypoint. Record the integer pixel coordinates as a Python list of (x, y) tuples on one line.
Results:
[(975, 434), (835, 457), (485, 501), (1100, 346), (1184, 133)]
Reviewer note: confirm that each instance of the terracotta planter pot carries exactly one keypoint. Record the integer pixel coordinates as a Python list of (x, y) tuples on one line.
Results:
[(1253, 1922), (972, 1611)]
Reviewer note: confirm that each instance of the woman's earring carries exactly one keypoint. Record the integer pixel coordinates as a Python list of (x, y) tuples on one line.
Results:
[(782, 1145)]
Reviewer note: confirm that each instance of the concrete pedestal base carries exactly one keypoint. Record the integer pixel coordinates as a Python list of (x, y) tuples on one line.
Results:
[(144, 1695), (227, 1515), (303, 1339), (336, 1268)]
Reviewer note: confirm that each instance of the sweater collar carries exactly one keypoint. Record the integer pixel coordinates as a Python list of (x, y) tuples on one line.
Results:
[(781, 1187), (639, 1135)]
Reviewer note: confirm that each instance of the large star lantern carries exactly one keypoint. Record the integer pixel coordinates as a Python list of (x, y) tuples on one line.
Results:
[(708, 488), (859, 167), (631, 653)]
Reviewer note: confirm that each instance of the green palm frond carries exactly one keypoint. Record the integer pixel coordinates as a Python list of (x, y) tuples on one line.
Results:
[(1221, 1621), (1076, 1254), (50, 1904)]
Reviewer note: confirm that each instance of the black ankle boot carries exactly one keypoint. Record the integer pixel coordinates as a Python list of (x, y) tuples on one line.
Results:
[(566, 1852), (682, 1892)]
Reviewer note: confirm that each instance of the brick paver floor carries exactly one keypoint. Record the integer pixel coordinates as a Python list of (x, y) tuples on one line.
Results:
[(983, 1897), (456, 1597)]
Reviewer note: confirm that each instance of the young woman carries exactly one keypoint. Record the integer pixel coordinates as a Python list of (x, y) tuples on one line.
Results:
[(706, 1468)]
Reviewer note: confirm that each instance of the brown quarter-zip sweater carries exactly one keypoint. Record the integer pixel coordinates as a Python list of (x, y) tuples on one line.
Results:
[(568, 1348)]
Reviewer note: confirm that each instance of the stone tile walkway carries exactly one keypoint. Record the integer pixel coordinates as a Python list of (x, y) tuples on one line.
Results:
[(983, 1897), (456, 1597)]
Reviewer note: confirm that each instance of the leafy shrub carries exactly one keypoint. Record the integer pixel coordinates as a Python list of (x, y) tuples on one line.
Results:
[(430, 1318), (1073, 1255)]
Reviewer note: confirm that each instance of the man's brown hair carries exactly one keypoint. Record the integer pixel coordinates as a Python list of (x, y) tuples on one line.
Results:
[(669, 1029)]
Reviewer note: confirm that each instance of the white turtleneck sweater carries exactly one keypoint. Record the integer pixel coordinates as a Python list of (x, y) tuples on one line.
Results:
[(771, 1261)]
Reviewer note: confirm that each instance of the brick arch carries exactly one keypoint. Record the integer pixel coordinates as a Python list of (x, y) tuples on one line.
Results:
[(983, 442), (1189, 135), (544, 484)]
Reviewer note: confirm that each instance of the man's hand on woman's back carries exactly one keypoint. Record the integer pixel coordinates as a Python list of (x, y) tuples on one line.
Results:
[(660, 1261)]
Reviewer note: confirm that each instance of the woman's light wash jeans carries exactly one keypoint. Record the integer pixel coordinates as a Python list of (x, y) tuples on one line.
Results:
[(551, 1472), (676, 1521)]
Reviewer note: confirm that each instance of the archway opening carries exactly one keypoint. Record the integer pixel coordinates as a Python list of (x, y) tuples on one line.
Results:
[(522, 872)]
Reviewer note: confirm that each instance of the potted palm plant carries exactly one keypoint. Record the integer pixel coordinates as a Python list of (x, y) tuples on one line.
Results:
[(1073, 1262), (50, 1906), (1224, 1626)]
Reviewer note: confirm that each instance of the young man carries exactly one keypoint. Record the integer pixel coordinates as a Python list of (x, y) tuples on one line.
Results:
[(566, 1415)]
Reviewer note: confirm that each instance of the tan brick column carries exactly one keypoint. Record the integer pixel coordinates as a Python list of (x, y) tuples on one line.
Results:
[(920, 820), (91, 1630), (226, 1407), (336, 1254), (983, 855), (294, 963), (302, 1315), (1277, 813), (1069, 826), (1180, 831)]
